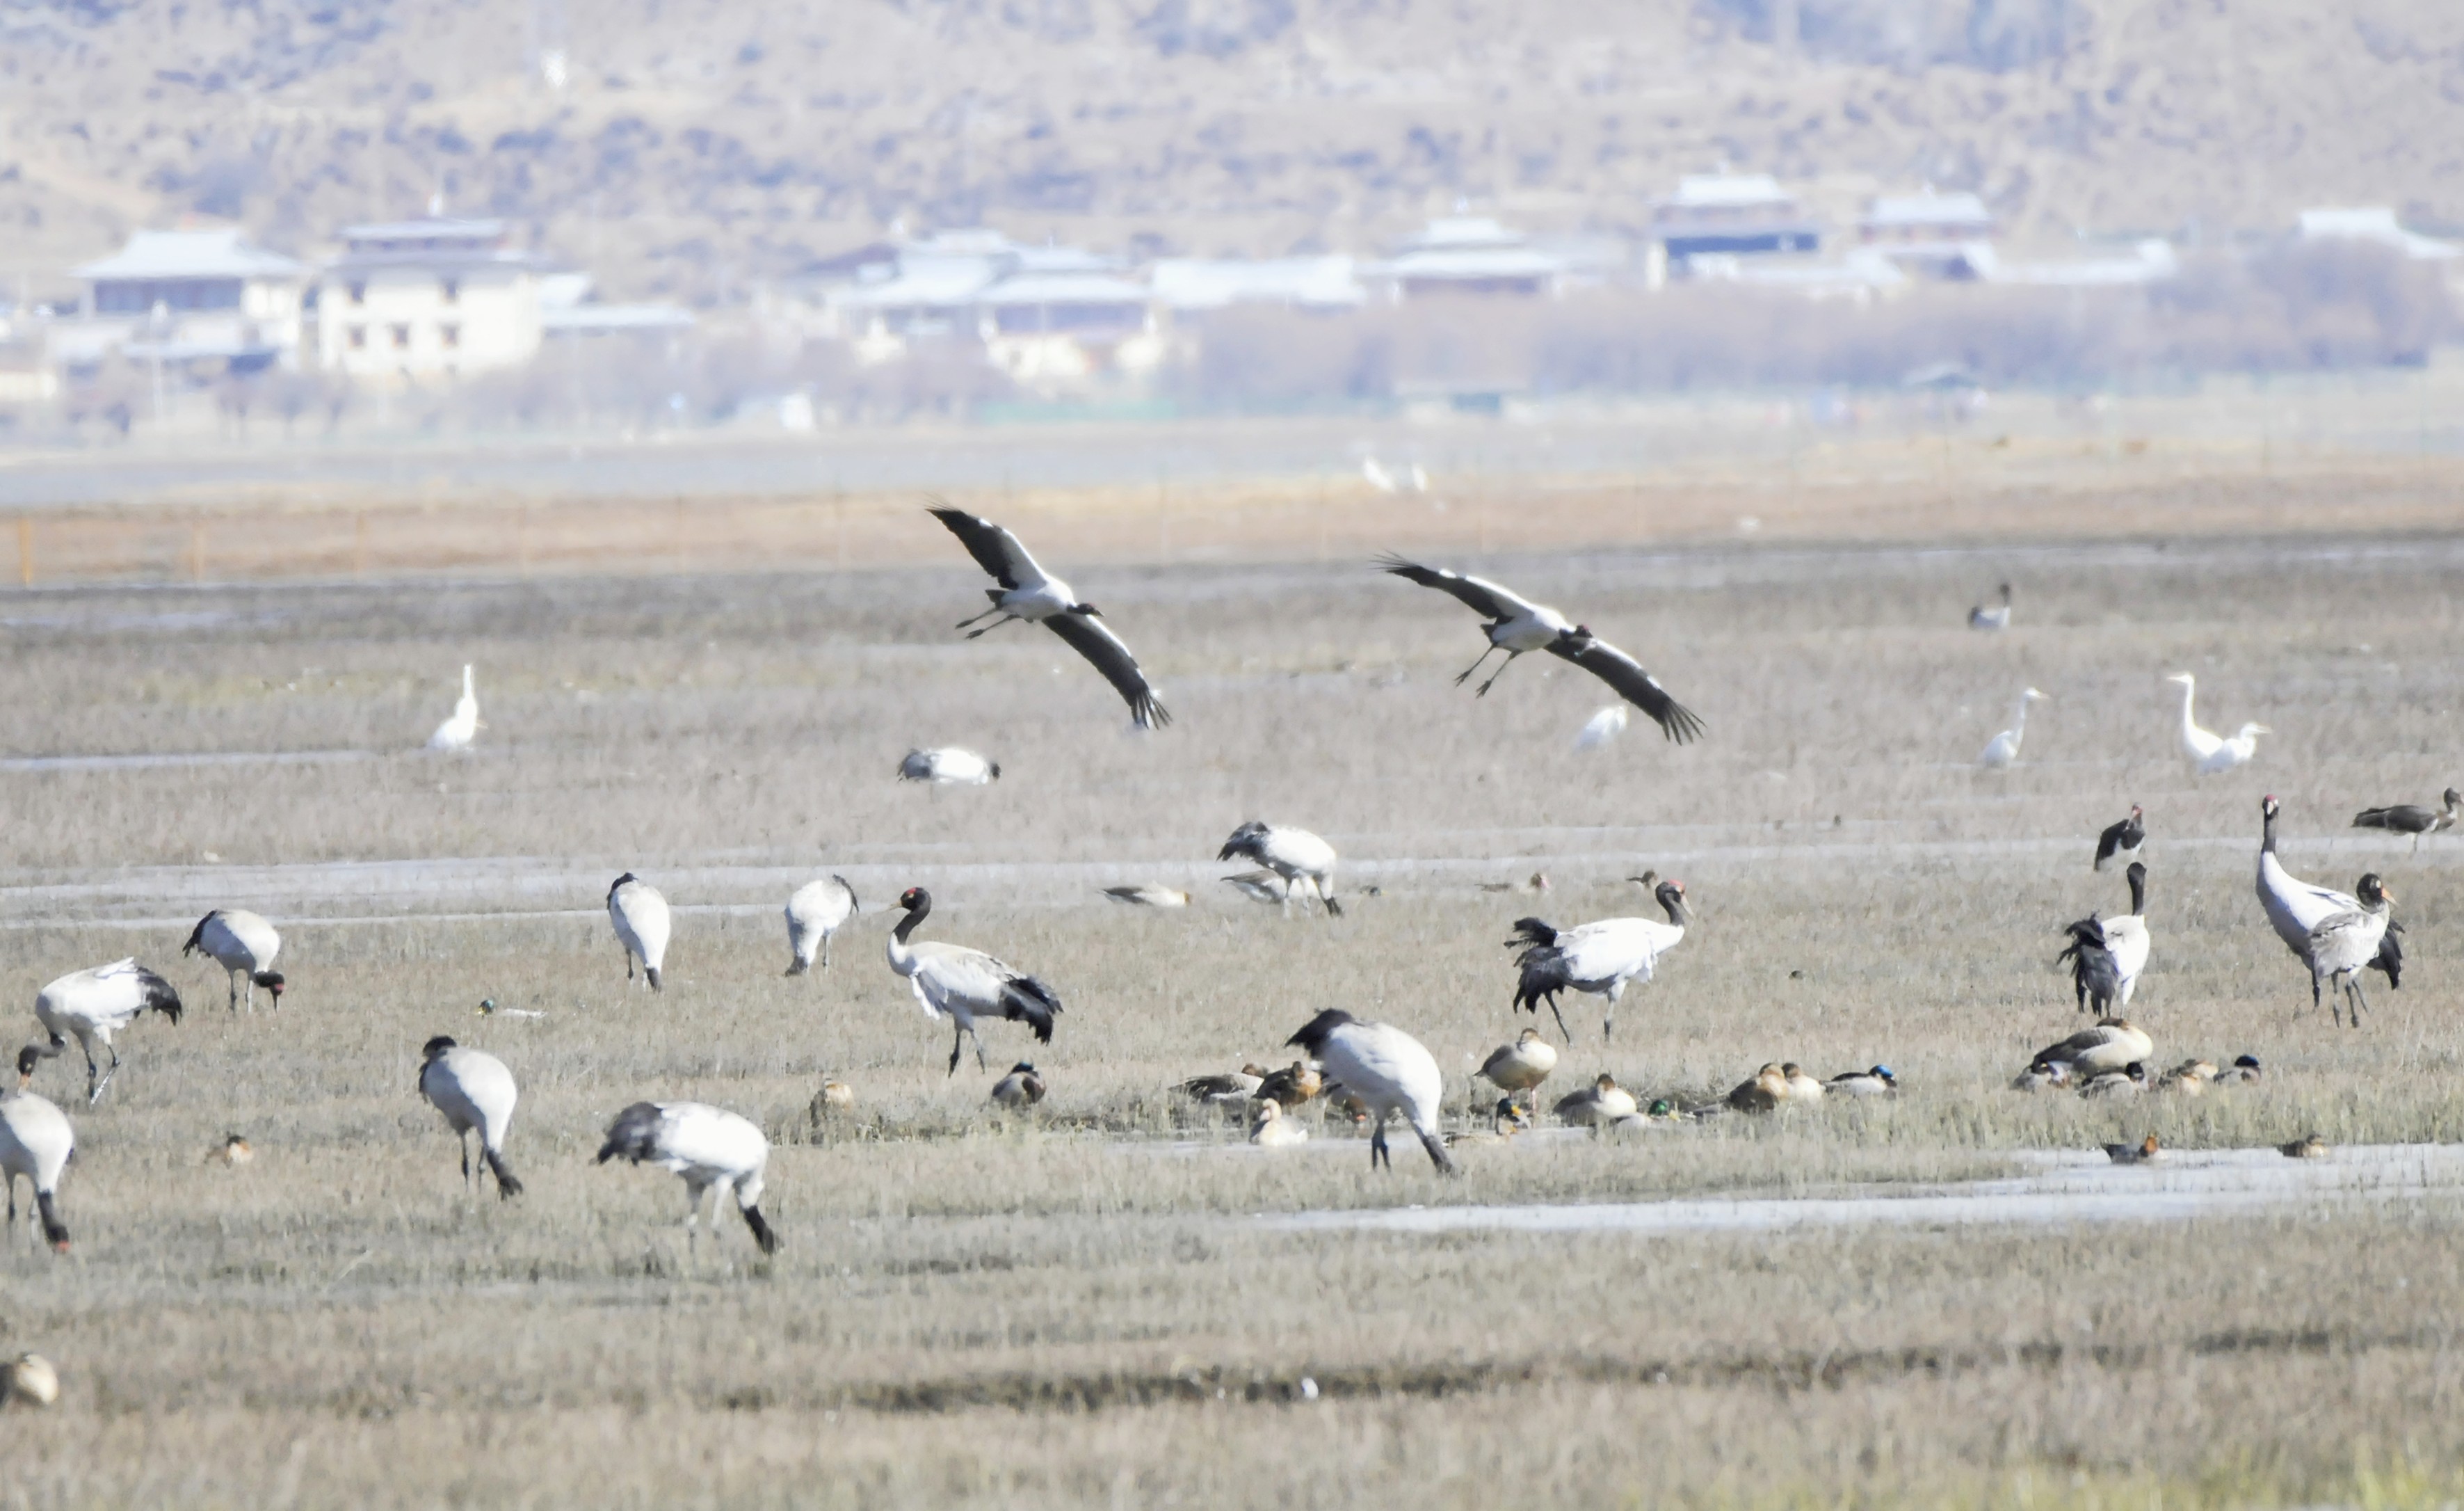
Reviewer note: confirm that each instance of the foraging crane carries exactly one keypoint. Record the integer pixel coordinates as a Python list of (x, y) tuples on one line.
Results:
[(1602, 729), (2411, 818), (815, 911), (35, 1142), (94, 1005), (2121, 839), (1981, 617), (2212, 754), (965, 984), (1518, 627), (2003, 748), (456, 734), (2342, 944), (476, 1093), (640, 914), (1026, 594), (244, 944), (710, 1148), (1294, 855), (1389, 1071), (2294, 907), (948, 767), (1599, 957)]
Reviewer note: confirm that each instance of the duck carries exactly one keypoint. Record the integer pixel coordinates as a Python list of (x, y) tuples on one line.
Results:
[(1535, 883), (1261, 886), (2110, 1045), (1801, 1087), (488, 1008), (1602, 1101), (1764, 1093), (2184, 1084), (1238, 1086), (835, 1097), (31, 1381), (1506, 1120), (2203, 1070), (2313, 1147), (1878, 1082), (1022, 1087), (2244, 1071), (1270, 1129), (233, 1151), (2145, 1152), (2128, 1081), (1660, 1114), (1293, 1086), (2044, 1075), (1521, 1065)]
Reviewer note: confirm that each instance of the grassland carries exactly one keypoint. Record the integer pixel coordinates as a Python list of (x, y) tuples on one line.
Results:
[(1086, 1306)]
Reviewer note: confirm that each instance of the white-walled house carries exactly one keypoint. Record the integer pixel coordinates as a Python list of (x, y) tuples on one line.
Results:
[(422, 300), (199, 299)]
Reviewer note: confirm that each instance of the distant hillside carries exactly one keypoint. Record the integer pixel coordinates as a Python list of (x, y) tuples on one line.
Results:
[(696, 145)]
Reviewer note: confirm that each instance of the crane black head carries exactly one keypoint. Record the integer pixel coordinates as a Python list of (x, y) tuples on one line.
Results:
[(916, 899), (437, 1046), (26, 1059)]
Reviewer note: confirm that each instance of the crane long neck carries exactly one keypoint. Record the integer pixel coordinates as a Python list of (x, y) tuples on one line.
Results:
[(2138, 894), (2267, 831), (914, 916)]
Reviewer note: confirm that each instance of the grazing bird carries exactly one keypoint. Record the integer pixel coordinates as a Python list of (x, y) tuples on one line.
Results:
[(1506, 1120), (2112, 1044), (1294, 855), (1599, 957), (32, 1382), (1876, 1083), (1521, 1065), (95, 1004), (456, 733), (1148, 896), (2342, 944), (2145, 1152), (712, 1149), (1534, 884), (488, 1008), (244, 944), (233, 1153), (1601, 1101), (947, 766), (1602, 729), (2294, 907), (1389, 1071), (2121, 839), (965, 984), (1261, 886), (1026, 594), (1022, 1087), (2411, 818), (1270, 1129), (2313, 1147), (2003, 748), (640, 914), (2128, 1081), (2244, 1071), (476, 1093), (35, 1142), (2212, 754), (1519, 627), (1237, 1086), (815, 911), (1981, 617), (1293, 1086), (1763, 1092), (835, 1097)]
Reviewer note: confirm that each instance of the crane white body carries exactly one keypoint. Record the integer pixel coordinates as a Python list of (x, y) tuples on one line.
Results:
[(456, 734), (1389, 1071), (1029, 593), (1602, 729), (476, 1093), (244, 944), (2126, 937), (815, 911), (2342, 944), (2212, 754), (2003, 748), (35, 1142), (950, 981), (1598, 957), (641, 919), (948, 765), (93, 1005), (1305, 861), (709, 1148)]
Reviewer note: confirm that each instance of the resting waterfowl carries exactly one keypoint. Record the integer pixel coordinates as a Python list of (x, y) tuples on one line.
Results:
[(30, 1381), (2144, 1152), (1292, 1086), (2112, 1044), (1506, 1120), (1876, 1083), (2128, 1081), (2313, 1147), (1602, 1101), (1801, 1086), (1535, 883), (2044, 1075), (1764, 1093), (1022, 1087), (233, 1151), (1521, 1065), (2244, 1071), (835, 1097), (1239, 1085), (2183, 1085), (1270, 1129)]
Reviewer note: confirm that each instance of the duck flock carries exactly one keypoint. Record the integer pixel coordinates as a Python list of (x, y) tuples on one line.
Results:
[(1369, 1072)]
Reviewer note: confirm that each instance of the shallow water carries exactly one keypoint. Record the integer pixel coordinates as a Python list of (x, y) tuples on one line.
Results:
[(160, 760)]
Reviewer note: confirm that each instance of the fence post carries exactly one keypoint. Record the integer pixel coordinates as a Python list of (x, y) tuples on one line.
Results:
[(25, 551)]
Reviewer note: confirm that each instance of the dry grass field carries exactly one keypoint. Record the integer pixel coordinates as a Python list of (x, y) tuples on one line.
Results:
[(1104, 1303)]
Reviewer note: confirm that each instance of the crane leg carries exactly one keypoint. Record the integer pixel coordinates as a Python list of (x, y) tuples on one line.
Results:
[(825, 950), (1563, 1032), (2361, 999), (980, 1063), (1377, 1144), (976, 634), (1475, 666), (981, 617), (1500, 671), (958, 1041), (231, 980)]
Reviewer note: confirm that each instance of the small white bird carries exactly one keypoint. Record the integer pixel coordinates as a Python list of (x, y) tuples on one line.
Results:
[(1149, 895), (1602, 729), (948, 767), (35, 1142), (456, 733), (814, 913), (476, 1093), (1420, 476), (710, 1148), (95, 1004), (1376, 474), (2004, 748), (2212, 754), (244, 944), (1389, 1071), (640, 914), (964, 985), (1294, 855)]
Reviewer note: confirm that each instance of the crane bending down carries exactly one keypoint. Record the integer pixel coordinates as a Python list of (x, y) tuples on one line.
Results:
[(1518, 627), (639, 914), (35, 1142), (1294, 855), (93, 1005), (2211, 753), (1389, 1071), (815, 911), (709, 1147), (1026, 592), (965, 984), (244, 944), (1599, 957), (476, 1093)]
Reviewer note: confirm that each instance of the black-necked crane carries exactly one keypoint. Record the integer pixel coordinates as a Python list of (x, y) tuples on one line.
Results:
[(709, 1148), (1296, 855), (1998, 617), (1599, 957), (2212, 754), (2411, 818), (640, 916), (2294, 906), (35, 1142), (476, 1093), (244, 944), (815, 911), (95, 1004), (1519, 627), (2121, 839), (2342, 945), (2003, 749), (1026, 592), (2129, 939), (1389, 1071), (947, 765), (456, 734), (965, 985)]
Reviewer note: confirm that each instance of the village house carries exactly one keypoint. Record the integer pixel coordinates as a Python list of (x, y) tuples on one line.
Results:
[(1726, 215), (200, 302), (1929, 233), (422, 300)]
